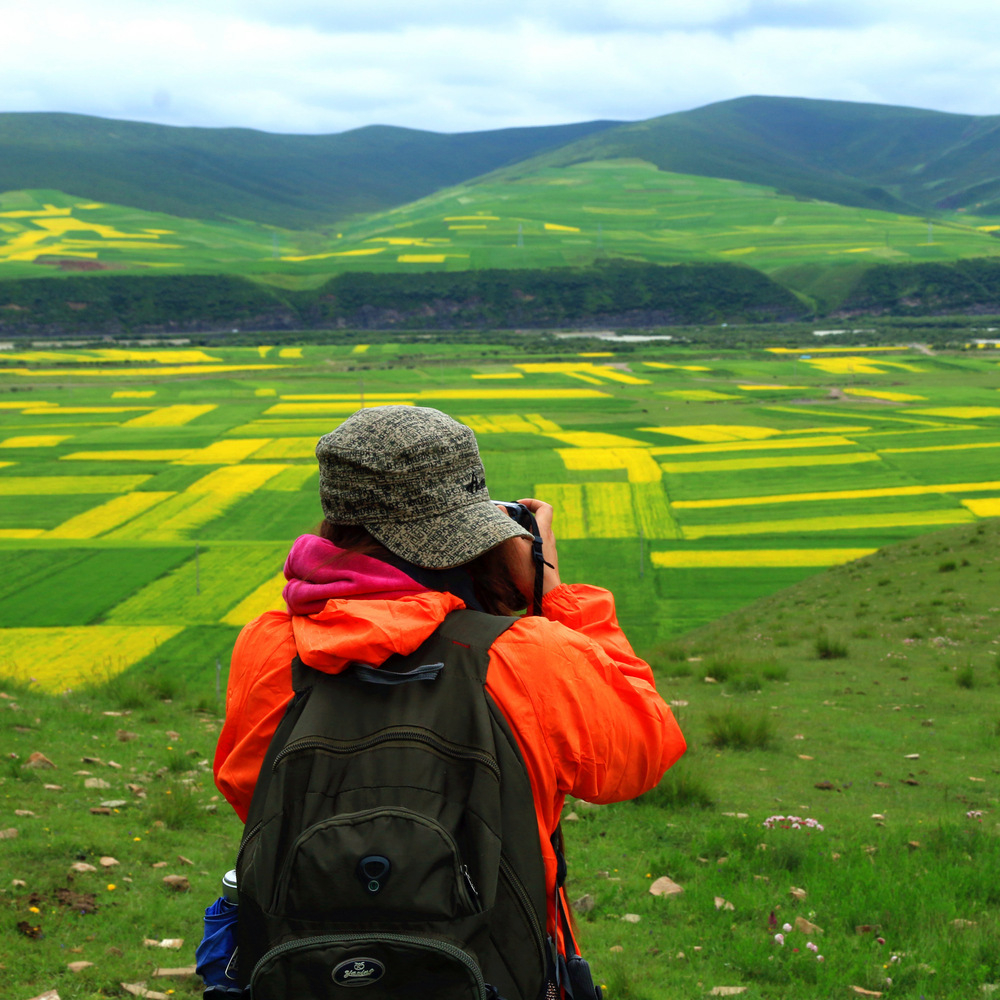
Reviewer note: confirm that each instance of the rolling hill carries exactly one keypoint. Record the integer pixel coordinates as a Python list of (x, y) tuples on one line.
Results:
[(865, 155), (293, 181)]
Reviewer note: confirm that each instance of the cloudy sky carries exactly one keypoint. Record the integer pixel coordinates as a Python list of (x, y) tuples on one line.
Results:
[(461, 65)]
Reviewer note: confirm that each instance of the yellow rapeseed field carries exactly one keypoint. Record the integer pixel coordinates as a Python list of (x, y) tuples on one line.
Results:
[(880, 491), (640, 466), (421, 258), (609, 511), (87, 654), (34, 441), (290, 352), (128, 455), (133, 393), (291, 479), (360, 348), (597, 439), (567, 499), (235, 479), (556, 228), (940, 447), (511, 423), (961, 412), (780, 462), (683, 368), (697, 395), (172, 416), (229, 452), (838, 522), (711, 433), (288, 447), (500, 375), (267, 597), (68, 485), (769, 444), (892, 397), (107, 516), (984, 507), (856, 365), (755, 558), (586, 370)]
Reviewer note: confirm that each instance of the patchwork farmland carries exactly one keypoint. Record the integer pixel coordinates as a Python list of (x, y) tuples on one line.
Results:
[(148, 496)]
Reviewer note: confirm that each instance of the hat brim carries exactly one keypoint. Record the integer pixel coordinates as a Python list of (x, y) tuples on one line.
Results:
[(448, 540)]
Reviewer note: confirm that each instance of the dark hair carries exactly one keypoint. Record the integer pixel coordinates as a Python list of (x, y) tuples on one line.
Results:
[(489, 571)]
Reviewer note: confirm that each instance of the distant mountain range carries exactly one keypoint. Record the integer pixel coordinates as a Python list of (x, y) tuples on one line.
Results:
[(864, 155)]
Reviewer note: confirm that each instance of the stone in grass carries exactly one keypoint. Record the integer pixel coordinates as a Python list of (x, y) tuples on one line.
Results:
[(82, 867), (38, 761), (10, 833), (78, 966), (584, 904), (723, 904), (631, 918), (726, 991), (140, 990), (665, 886), (96, 783), (47, 995), (176, 882), (108, 862), (179, 973), (174, 943), (803, 925)]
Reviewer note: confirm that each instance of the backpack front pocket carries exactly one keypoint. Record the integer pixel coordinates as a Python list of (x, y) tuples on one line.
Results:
[(391, 863), (329, 966)]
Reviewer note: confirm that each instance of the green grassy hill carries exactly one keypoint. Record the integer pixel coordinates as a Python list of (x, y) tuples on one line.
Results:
[(294, 181), (866, 155)]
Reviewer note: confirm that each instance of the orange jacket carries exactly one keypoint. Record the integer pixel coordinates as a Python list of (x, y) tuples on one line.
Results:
[(581, 704)]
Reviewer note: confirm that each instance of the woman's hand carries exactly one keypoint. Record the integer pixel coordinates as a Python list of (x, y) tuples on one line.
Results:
[(523, 566)]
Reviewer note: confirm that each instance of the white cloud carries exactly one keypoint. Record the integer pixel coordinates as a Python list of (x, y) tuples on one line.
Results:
[(314, 66)]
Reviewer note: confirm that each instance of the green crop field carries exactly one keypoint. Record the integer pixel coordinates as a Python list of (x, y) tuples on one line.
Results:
[(174, 478), (147, 498)]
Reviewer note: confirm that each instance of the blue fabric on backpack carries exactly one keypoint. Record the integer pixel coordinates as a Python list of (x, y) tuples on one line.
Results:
[(216, 950)]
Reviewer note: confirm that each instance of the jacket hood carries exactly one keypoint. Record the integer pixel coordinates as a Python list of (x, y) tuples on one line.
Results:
[(369, 631)]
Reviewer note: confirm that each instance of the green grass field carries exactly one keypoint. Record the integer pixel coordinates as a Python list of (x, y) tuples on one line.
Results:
[(147, 498)]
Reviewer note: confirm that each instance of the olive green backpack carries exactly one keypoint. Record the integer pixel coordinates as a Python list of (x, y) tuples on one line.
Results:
[(391, 846)]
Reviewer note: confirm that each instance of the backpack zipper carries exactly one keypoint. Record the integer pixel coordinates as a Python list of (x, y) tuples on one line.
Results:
[(433, 944), (523, 898), (247, 837), (392, 736)]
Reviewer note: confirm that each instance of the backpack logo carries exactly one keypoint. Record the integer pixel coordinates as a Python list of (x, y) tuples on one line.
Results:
[(358, 972)]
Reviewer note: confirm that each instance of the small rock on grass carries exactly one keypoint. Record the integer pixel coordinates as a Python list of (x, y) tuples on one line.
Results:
[(48, 995), (39, 761), (10, 833), (108, 862), (175, 943), (78, 966), (803, 925), (180, 973), (665, 886), (584, 904), (176, 882), (726, 991), (82, 867), (631, 918), (140, 990)]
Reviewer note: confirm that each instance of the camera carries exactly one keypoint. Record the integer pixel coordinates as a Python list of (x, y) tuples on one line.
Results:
[(519, 513)]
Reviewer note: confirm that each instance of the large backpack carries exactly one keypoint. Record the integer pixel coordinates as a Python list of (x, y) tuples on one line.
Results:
[(391, 841)]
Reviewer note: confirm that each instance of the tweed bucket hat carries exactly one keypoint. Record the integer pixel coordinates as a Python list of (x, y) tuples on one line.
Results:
[(413, 478)]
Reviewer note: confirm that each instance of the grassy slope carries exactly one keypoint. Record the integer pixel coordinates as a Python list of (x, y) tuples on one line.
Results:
[(295, 181), (898, 855), (867, 155), (919, 675)]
